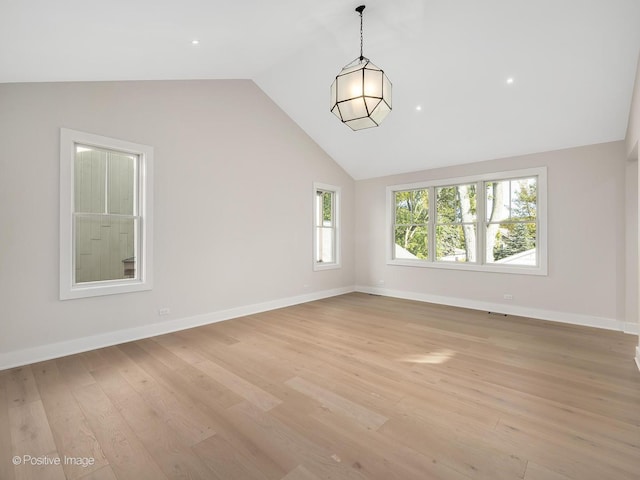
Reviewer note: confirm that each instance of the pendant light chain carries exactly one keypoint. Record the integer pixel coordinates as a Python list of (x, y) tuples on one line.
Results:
[(361, 38)]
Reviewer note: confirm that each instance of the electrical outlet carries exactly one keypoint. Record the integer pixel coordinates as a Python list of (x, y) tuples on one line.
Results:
[(508, 296), (164, 311)]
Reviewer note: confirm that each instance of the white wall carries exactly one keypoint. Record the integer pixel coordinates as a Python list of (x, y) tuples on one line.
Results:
[(586, 241), (233, 208), (232, 167), (633, 127), (631, 242), (633, 152)]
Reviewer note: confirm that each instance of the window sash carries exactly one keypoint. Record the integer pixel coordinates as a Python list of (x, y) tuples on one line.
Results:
[(136, 253), (111, 157), (323, 225), (326, 238), (426, 195), (320, 214)]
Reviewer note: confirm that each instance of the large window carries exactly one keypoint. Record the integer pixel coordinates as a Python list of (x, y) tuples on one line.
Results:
[(326, 251), (494, 222), (105, 215)]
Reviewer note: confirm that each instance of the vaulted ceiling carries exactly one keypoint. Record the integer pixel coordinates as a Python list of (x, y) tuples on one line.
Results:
[(572, 65)]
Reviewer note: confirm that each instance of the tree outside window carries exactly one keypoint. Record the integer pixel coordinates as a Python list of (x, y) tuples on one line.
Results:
[(452, 223)]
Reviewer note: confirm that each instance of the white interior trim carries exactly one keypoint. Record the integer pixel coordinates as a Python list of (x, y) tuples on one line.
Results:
[(337, 193), (632, 328), (144, 281), (77, 345), (550, 315)]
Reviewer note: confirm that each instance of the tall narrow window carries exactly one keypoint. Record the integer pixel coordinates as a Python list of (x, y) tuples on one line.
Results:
[(326, 227), (411, 220), (512, 226), (456, 223), (105, 216)]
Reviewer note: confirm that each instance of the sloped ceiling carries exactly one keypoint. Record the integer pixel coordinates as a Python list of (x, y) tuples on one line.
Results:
[(572, 63)]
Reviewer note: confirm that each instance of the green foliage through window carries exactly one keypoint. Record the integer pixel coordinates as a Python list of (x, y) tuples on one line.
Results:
[(510, 227), (455, 227), (411, 218)]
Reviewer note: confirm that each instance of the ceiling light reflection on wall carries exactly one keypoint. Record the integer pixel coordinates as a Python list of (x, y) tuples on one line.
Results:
[(361, 92)]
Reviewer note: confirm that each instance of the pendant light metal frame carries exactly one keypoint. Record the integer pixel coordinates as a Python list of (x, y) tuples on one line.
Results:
[(361, 92)]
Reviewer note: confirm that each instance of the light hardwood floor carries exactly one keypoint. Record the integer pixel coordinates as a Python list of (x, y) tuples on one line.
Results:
[(351, 387)]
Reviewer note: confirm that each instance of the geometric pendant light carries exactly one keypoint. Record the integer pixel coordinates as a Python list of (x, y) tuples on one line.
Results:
[(361, 92)]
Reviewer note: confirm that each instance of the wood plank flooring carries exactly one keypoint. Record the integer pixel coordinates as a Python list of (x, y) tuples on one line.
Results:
[(351, 387)]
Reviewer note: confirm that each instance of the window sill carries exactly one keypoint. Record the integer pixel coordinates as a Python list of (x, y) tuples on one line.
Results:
[(474, 267), (103, 288), (326, 266)]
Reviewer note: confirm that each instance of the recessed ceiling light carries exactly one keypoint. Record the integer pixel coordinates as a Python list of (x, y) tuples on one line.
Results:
[(510, 81), (419, 108), (195, 42)]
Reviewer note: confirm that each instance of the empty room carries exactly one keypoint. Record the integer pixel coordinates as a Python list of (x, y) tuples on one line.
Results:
[(319, 240)]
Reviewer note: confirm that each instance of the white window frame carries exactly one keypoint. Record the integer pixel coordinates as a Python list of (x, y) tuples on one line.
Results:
[(144, 256), (317, 266), (481, 264)]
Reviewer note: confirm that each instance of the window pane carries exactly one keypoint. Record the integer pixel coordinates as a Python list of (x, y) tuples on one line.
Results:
[(524, 199), (411, 242), (512, 199), (420, 206), (318, 209), (325, 252), (412, 206), (456, 243), (456, 204), (121, 174), (105, 248), (512, 243), (447, 205), (403, 211), (327, 208), (90, 175), (324, 209)]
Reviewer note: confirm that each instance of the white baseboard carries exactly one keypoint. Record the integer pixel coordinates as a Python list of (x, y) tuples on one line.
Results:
[(55, 350), (563, 317)]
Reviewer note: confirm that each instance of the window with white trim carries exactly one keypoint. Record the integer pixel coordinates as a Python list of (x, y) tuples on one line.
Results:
[(326, 235), (494, 222), (105, 215)]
